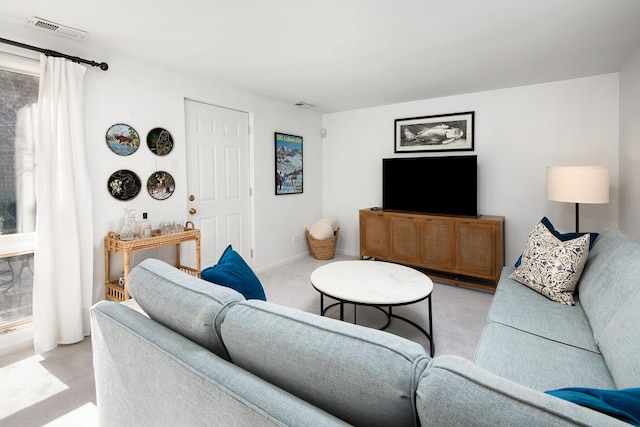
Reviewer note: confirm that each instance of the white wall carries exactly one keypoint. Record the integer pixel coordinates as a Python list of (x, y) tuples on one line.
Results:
[(630, 145), (518, 133), (146, 97)]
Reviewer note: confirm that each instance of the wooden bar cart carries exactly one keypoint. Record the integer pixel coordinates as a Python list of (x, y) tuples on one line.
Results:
[(114, 290)]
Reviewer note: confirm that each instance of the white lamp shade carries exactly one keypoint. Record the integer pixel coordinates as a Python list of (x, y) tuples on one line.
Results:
[(578, 184)]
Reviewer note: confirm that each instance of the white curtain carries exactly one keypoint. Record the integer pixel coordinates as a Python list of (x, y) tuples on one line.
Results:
[(63, 263)]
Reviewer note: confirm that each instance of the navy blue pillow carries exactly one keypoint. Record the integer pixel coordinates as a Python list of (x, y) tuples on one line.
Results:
[(563, 237), (621, 404), (231, 271)]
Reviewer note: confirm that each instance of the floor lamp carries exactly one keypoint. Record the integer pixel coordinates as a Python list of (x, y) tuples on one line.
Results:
[(578, 184)]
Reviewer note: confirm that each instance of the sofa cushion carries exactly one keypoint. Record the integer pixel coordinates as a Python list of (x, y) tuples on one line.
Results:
[(539, 363), (523, 308), (550, 266), (188, 305), (233, 272), (361, 375), (609, 279)]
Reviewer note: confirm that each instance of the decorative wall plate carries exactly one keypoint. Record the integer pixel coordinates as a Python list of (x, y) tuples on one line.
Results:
[(124, 185), (161, 185), (160, 141), (122, 139)]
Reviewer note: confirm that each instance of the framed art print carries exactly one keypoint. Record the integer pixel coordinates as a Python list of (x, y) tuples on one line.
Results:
[(288, 154), (445, 132)]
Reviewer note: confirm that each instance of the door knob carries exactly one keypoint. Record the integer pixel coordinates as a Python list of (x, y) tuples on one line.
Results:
[(191, 197), (192, 211)]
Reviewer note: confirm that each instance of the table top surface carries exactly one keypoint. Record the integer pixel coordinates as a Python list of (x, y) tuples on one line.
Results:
[(372, 282)]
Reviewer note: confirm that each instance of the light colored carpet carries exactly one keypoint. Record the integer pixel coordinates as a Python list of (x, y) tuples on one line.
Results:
[(459, 314), (58, 388)]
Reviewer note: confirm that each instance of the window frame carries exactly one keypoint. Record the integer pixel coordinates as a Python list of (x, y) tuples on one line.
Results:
[(19, 243), (16, 244)]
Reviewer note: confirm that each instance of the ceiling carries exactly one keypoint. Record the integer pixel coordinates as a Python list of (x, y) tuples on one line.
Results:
[(344, 54)]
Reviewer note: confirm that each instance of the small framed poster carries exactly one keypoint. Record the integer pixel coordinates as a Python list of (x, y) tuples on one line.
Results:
[(288, 154)]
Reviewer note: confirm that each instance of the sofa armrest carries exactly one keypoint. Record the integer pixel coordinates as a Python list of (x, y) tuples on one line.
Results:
[(453, 391)]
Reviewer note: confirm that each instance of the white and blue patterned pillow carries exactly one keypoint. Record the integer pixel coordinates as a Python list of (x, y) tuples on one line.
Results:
[(550, 266)]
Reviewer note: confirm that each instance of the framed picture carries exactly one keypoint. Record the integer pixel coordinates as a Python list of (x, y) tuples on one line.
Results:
[(288, 154), (445, 132)]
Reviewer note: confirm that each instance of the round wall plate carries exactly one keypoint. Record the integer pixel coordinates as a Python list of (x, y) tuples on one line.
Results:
[(122, 139), (124, 184), (161, 185), (160, 141)]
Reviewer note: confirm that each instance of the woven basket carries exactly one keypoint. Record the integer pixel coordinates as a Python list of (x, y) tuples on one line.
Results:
[(323, 249)]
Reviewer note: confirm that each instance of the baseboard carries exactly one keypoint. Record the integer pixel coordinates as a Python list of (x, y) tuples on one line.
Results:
[(19, 339), (303, 255), (280, 263)]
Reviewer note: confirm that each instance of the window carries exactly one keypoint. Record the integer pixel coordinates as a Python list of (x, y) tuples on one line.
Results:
[(18, 97)]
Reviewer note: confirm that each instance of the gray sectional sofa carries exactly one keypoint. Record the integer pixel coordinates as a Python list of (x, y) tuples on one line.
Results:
[(200, 354)]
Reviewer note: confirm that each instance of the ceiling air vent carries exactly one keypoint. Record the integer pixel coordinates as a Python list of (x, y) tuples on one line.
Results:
[(304, 105), (61, 30)]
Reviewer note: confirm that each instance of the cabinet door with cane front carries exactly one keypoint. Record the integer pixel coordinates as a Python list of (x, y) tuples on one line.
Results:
[(405, 239), (438, 243), (374, 235), (476, 247)]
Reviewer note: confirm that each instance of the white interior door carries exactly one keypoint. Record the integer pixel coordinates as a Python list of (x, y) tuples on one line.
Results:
[(217, 146)]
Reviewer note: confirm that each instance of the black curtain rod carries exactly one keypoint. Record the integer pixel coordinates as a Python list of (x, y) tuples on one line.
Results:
[(102, 65)]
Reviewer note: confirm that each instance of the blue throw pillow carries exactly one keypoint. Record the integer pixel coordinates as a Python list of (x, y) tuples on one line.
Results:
[(621, 404), (231, 271), (563, 237)]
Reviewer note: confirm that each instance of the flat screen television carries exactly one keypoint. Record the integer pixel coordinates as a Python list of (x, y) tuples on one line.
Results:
[(433, 185)]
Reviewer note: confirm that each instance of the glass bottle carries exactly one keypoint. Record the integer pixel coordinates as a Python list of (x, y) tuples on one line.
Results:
[(144, 227)]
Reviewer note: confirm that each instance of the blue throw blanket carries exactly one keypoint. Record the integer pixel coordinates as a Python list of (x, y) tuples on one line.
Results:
[(622, 404)]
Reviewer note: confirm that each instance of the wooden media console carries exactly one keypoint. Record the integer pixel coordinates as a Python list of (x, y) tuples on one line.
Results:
[(455, 249)]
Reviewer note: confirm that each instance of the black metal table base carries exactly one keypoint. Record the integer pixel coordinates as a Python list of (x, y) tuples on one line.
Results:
[(389, 314)]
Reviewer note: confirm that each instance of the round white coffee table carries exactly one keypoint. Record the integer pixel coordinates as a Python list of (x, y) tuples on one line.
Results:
[(374, 283)]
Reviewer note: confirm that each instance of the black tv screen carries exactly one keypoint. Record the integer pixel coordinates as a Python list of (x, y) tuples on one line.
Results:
[(434, 185)]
